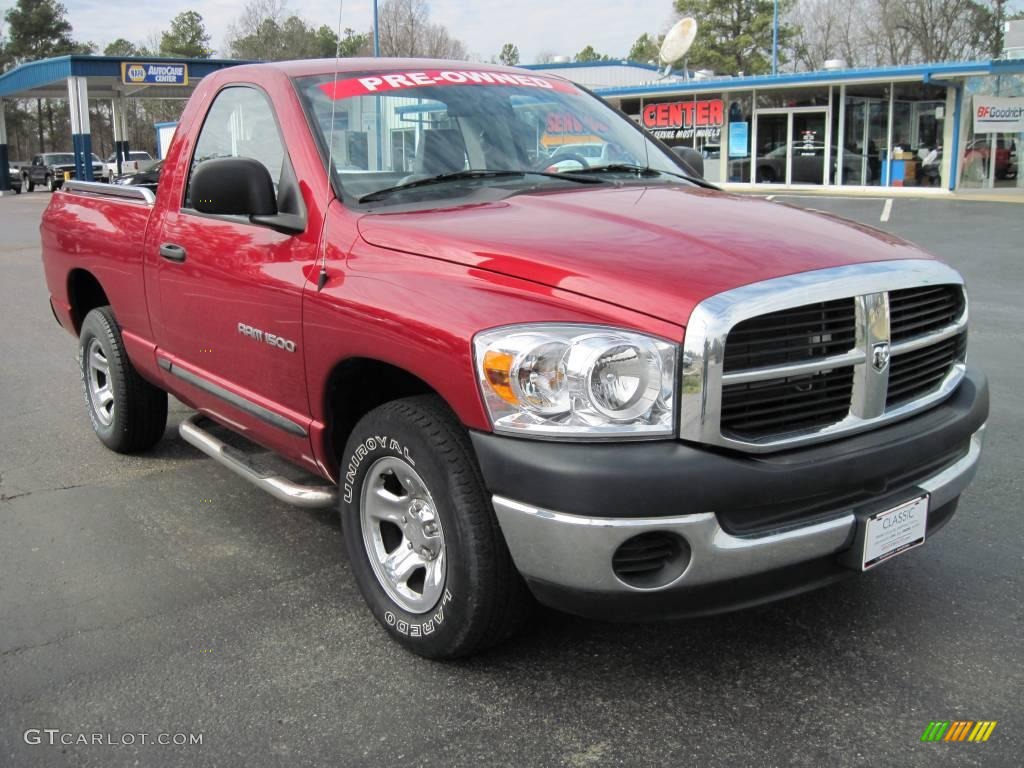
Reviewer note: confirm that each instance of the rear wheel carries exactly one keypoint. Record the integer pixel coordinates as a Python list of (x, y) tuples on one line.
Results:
[(127, 413), (421, 535)]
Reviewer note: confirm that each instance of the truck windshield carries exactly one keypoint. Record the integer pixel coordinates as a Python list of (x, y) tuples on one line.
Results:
[(399, 129)]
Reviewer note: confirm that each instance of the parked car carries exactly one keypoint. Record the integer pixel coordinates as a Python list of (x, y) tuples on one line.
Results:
[(14, 178), (808, 165), (148, 177), (136, 161), (977, 159), (617, 391), (48, 170)]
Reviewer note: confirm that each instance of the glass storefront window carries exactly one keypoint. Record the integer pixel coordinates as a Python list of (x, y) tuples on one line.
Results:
[(865, 146), (990, 160), (740, 131), (793, 97), (689, 121)]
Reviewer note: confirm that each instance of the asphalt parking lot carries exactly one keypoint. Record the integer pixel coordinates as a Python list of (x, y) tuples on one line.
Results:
[(162, 594)]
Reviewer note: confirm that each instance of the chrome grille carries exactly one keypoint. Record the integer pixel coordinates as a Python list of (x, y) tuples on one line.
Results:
[(929, 308), (758, 409), (792, 335), (808, 357), (915, 374)]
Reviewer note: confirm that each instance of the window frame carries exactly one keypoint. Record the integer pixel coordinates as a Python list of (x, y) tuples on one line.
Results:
[(285, 156)]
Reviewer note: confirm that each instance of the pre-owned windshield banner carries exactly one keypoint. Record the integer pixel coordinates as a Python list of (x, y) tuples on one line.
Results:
[(993, 114), (398, 81)]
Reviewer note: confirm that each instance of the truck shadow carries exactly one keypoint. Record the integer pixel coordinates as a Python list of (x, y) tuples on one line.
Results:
[(843, 626)]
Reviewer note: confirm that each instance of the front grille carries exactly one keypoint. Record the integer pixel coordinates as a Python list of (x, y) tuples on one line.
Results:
[(913, 375), (790, 375), (927, 309), (798, 334), (758, 409)]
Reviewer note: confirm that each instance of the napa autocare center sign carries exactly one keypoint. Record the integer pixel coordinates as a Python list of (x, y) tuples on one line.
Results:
[(685, 119), (141, 73), (993, 114)]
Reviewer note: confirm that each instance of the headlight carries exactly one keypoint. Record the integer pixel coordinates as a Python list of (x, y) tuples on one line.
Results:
[(576, 381)]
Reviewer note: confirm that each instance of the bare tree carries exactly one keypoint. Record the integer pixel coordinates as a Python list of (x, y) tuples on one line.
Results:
[(945, 30), (830, 30), (255, 15), (406, 31), (893, 32)]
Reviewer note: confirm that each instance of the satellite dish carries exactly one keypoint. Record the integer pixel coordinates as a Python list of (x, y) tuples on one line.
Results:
[(678, 40)]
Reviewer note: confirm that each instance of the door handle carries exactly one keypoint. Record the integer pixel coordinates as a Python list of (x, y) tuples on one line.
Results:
[(172, 252)]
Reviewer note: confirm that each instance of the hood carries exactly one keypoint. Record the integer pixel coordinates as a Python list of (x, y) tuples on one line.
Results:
[(658, 250)]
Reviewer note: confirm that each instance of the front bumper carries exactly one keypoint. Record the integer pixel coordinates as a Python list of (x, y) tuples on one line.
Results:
[(734, 560)]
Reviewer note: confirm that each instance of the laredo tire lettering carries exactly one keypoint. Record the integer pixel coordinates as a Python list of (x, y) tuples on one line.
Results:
[(420, 629)]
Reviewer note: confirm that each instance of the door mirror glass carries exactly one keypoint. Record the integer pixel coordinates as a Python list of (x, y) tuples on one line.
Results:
[(233, 186), (692, 159)]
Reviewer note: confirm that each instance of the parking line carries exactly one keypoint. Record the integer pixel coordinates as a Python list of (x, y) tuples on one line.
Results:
[(886, 209)]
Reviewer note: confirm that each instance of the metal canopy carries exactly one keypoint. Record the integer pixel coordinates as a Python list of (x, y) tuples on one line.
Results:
[(47, 78), (81, 79)]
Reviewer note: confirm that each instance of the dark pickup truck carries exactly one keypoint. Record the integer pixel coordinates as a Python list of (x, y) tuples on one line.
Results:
[(608, 387), (49, 169)]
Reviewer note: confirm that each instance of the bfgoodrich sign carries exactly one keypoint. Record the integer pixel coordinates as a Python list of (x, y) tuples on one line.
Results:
[(998, 115)]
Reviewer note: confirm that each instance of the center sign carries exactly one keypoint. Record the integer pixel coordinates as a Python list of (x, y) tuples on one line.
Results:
[(685, 119)]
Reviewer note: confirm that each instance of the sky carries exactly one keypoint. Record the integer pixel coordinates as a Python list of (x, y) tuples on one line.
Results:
[(536, 26)]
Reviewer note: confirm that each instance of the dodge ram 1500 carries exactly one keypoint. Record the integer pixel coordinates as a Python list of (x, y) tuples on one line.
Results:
[(519, 375)]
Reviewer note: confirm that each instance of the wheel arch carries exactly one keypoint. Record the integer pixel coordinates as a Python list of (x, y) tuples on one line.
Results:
[(84, 295), (357, 385)]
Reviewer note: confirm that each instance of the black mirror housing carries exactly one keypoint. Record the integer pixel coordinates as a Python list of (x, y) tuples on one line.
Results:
[(233, 186), (692, 159)]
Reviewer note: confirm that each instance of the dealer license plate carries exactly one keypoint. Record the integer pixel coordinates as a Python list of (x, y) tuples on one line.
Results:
[(894, 531)]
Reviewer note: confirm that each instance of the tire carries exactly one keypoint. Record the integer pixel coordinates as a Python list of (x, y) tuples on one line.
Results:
[(51, 185), (30, 185), (461, 592), (127, 413), (765, 176)]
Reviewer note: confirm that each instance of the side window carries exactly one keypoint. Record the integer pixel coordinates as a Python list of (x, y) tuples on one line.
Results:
[(240, 123)]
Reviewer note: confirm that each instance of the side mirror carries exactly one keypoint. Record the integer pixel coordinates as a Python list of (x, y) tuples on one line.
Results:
[(233, 186), (692, 159)]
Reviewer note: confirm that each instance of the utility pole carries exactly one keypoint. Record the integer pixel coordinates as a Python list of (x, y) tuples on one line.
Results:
[(775, 39), (376, 32)]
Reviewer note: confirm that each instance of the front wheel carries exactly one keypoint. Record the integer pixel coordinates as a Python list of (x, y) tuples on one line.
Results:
[(127, 413), (51, 185), (29, 184), (421, 535)]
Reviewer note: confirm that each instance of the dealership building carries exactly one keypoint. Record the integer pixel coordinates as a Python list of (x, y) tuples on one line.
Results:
[(933, 127)]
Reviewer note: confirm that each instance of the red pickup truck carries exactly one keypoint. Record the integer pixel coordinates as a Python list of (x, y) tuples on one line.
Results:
[(519, 376)]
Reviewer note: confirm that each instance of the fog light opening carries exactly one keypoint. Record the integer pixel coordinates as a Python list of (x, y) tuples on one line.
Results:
[(651, 560)]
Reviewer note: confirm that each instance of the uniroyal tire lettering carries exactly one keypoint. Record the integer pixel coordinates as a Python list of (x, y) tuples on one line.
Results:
[(382, 442), (422, 629)]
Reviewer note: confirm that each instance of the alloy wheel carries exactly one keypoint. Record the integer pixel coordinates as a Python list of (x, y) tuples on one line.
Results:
[(402, 534)]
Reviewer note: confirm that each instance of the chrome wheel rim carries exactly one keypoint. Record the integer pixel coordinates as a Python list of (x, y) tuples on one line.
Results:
[(402, 534), (101, 390)]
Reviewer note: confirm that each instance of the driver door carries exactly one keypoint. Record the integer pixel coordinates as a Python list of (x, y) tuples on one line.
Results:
[(229, 330)]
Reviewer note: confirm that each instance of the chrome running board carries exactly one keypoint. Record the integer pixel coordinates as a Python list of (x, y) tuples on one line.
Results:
[(288, 491)]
